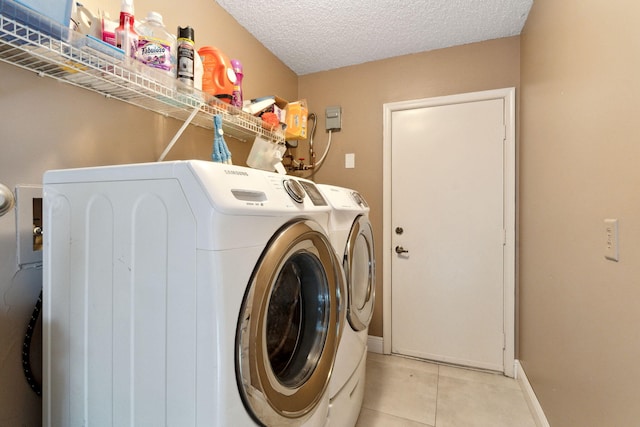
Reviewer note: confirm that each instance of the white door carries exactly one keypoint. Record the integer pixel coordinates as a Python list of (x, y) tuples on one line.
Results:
[(448, 231)]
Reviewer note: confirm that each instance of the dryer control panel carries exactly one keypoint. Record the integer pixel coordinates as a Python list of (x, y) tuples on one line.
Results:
[(314, 193), (294, 190)]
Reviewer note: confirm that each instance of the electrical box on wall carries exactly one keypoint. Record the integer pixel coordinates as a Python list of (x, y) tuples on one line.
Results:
[(29, 224), (333, 118)]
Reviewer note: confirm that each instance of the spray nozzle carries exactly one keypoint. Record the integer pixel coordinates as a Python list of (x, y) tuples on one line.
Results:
[(126, 6)]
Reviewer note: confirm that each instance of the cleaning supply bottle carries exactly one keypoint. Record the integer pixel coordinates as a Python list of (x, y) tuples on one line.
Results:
[(186, 52), (236, 96), (218, 77), (156, 46), (126, 36), (107, 27), (198, 70)]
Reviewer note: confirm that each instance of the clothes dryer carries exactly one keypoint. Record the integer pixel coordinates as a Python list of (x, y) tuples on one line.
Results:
[(352, 236), (187, 293)]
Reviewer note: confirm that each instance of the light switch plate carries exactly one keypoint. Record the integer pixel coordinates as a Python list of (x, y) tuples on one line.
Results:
[(349, 161), (611, 239)]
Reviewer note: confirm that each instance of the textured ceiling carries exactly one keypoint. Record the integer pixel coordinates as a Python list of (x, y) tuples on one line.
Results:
[(318, 35)]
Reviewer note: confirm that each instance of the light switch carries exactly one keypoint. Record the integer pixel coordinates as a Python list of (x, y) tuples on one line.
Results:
[(349, 160), (611, 242)]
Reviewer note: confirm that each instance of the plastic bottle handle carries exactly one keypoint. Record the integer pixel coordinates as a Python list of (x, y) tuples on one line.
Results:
[(86, 20)]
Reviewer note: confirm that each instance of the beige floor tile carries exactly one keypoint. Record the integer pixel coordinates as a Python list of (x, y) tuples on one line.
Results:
[(392, 361), (478, 376), (480, 400), (401, 387), (404, 392), (371, 418)]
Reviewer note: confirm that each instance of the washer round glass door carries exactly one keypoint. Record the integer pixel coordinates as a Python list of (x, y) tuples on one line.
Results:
[(288, 329), (359, 267)]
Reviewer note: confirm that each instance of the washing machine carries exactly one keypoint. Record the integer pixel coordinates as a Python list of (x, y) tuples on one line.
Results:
[(352, 237), (187, 293)]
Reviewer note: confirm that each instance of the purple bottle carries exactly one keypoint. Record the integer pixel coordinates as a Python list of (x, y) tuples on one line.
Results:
[(237, 87)]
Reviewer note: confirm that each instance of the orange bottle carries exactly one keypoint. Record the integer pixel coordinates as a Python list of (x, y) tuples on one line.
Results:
[(218, 77)]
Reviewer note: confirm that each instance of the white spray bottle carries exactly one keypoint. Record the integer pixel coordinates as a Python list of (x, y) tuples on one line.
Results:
[(126, 36)]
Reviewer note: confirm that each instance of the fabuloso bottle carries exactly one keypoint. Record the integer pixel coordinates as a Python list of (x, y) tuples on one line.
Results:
[(156, 46), (186, 50), (126, 36)]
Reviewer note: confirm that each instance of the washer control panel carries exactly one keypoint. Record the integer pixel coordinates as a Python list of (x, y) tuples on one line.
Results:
[(359, 199)]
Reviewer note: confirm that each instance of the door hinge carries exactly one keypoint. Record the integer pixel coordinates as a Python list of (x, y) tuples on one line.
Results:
[(504, 237), (504, 341)]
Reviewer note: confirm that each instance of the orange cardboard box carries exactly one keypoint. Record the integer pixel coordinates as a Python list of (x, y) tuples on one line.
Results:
[(296, 120)]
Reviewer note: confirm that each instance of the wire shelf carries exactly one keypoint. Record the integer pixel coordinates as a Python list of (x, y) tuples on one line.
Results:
[(57, 52)]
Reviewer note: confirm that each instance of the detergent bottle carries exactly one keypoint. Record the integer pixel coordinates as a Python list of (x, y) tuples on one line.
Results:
[(218, 77)]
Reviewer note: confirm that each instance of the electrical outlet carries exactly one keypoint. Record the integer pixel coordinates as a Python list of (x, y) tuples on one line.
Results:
[(29, 224), (333, 118), (611, 242)]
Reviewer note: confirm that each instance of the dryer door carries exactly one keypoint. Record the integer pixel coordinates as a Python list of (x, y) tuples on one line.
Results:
[(359, 267), (289, 327)]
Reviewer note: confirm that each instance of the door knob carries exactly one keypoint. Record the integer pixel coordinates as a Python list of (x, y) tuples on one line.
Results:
[(401, 250)]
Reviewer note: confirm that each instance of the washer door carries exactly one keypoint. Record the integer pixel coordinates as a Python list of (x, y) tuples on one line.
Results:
[(289, 326), (359, 267)]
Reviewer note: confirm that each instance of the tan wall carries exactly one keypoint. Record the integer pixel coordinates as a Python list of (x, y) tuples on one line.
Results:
[(46, 124), (580, 145), (362, 90)]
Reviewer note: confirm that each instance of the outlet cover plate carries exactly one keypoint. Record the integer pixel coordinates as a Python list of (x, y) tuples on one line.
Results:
[(24, 224), (611, 239)]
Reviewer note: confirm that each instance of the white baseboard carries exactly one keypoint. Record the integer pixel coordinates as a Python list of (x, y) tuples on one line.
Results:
[(530, 396), (375, 344)]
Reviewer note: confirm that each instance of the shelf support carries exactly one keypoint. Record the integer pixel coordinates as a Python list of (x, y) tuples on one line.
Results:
[(180, 131)]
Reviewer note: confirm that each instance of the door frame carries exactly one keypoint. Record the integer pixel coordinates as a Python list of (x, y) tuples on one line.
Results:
[(508, 96)]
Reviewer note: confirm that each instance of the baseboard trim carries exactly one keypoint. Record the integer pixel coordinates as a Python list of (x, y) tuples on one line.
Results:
[(375, 344), (530, 396)]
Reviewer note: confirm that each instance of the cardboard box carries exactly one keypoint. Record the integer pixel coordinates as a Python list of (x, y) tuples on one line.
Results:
[(296, 120), (280, 109), (293, 115)]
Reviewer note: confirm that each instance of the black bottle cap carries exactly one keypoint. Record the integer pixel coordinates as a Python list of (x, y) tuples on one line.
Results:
[(186, 33)]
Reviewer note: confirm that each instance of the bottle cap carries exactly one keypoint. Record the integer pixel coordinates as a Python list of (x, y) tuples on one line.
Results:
[(154, 17), (237, 66), (186, 33), (126, 6)]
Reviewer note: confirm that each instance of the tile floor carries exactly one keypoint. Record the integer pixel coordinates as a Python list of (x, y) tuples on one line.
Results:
[(402, 392)]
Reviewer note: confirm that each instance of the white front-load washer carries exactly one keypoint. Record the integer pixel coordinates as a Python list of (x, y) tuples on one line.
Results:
[(187, 293), (352, 236)]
